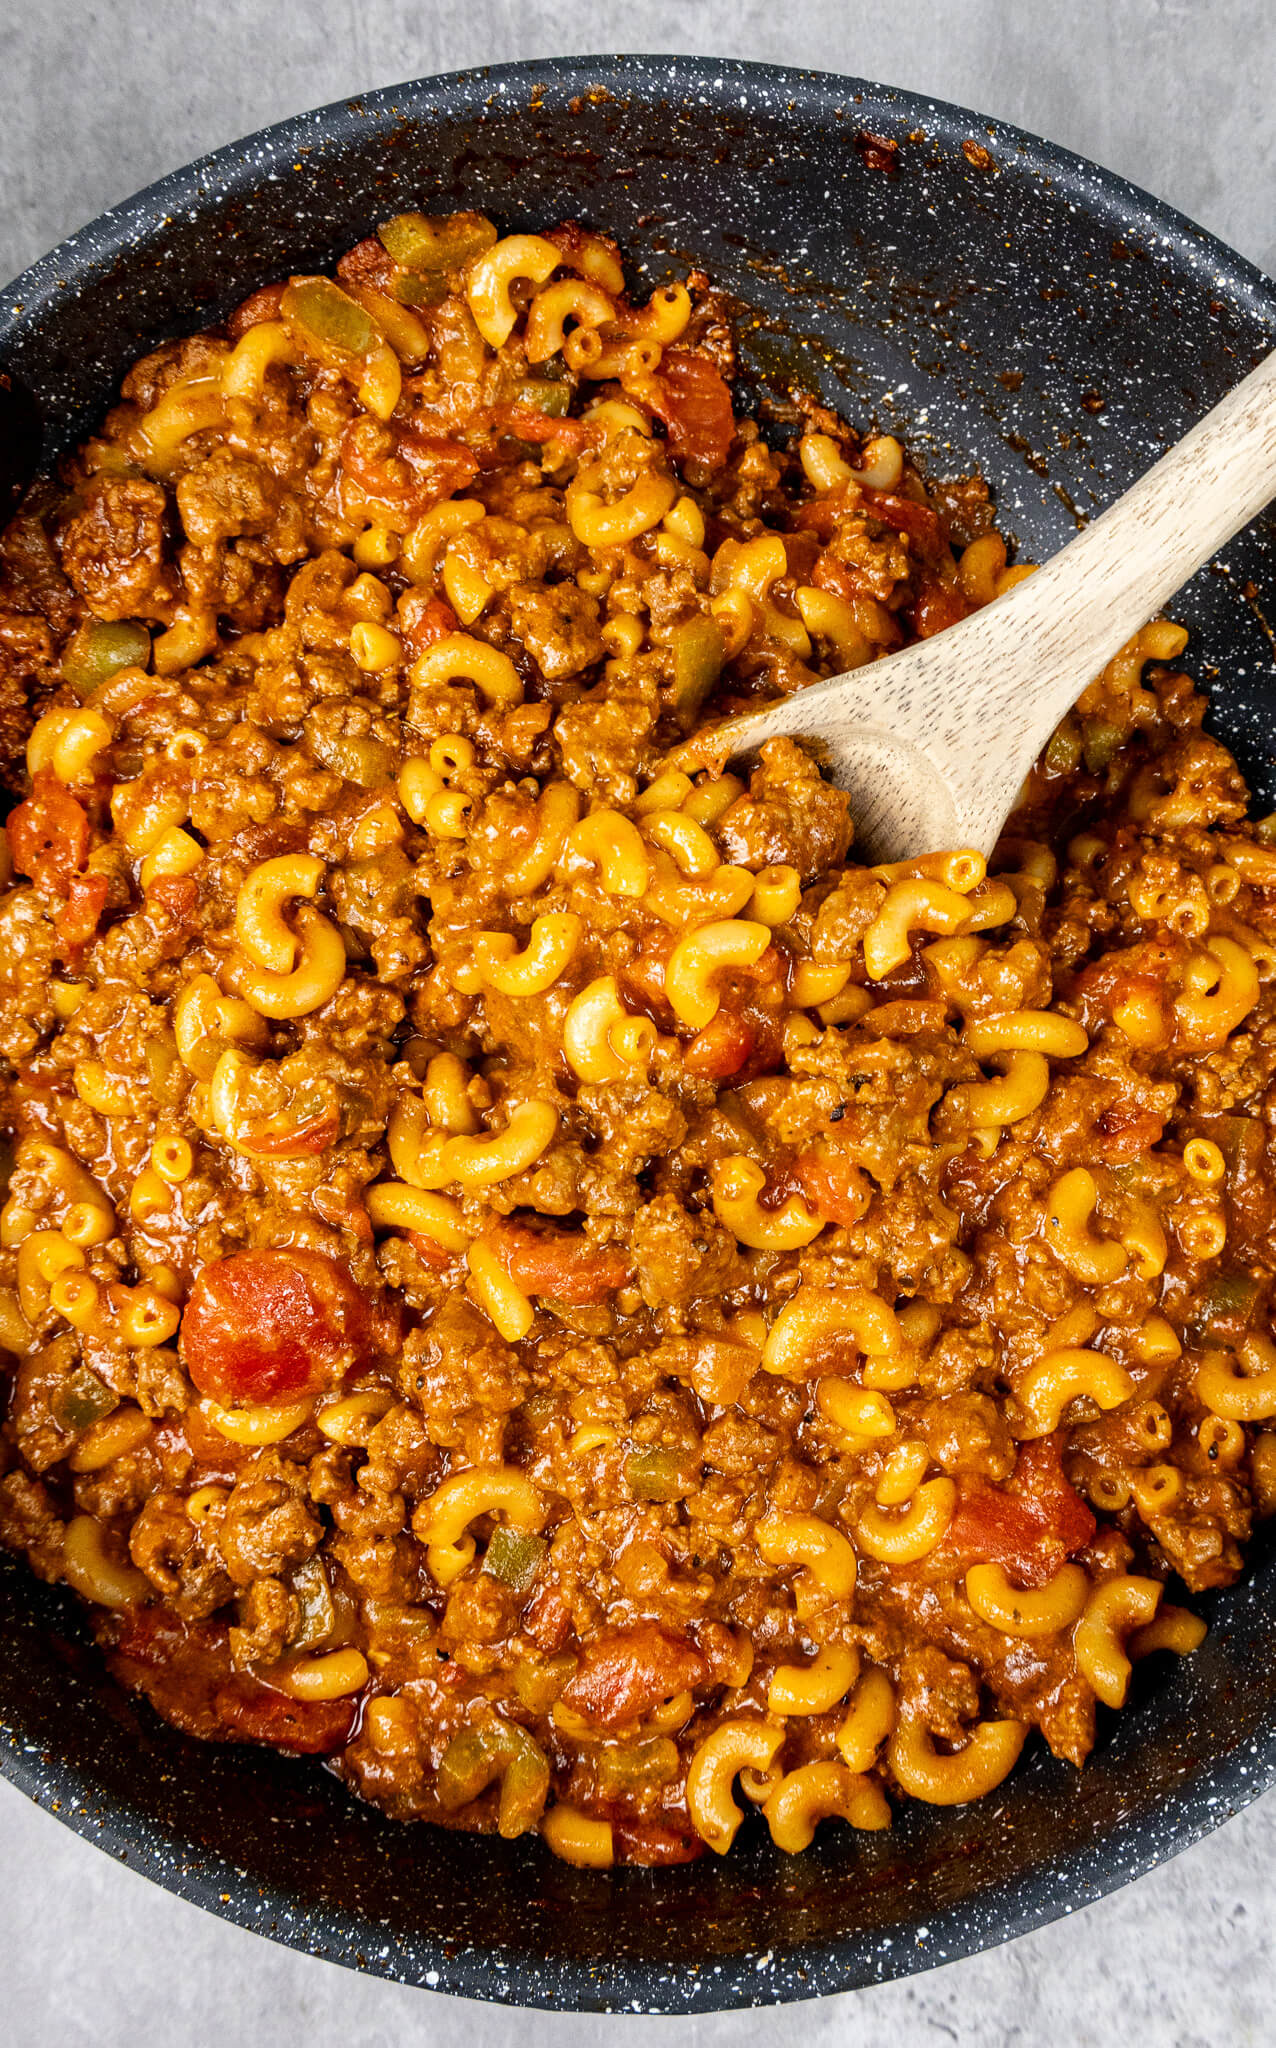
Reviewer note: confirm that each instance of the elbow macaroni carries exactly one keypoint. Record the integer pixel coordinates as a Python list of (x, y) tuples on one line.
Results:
[(734, 1746), (669, 1288), (940, 1780)]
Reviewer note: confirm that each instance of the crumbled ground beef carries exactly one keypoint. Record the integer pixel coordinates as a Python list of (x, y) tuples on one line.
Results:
[(434, 1270)]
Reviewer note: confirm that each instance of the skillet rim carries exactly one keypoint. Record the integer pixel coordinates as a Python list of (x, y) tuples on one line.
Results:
[(1081, 1874)]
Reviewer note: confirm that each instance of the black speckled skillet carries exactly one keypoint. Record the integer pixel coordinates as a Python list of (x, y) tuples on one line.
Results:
[(1005, 305)]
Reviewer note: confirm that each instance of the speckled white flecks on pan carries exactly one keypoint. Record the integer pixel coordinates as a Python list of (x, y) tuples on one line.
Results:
[(1009, 308)]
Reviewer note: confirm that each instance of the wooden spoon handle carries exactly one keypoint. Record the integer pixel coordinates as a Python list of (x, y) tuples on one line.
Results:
[(1076, 612), (934, 742)]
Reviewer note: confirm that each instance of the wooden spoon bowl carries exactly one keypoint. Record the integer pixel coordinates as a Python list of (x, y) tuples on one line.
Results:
[(933, 744)]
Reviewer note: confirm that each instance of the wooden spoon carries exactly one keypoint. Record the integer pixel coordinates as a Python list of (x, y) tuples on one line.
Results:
[(933, 744)]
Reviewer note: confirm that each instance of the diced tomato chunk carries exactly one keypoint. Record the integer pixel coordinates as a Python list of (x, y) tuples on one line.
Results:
[(251, 1712), (527, 424), (823, 516), (694, 402), (835, 1189), (547, 1619), (1030, 1528), (149, 1635), (561, 1264), (429, 1250), (626, 1672), (273, 1325), (296, 1141), (423, 620), (48, 836), (1039, 1478), (938, 606), (995, 1528), (643, 980), (176, 894), (403, 468), (721, 1048), (77, 920), (184, 1669), (341, 1209)]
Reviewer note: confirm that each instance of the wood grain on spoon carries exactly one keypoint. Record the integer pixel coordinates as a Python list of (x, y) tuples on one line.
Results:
[(933, 744)]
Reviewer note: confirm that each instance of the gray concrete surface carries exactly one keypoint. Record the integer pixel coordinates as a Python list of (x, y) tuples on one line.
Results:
[(1178, 95), (101, 98)]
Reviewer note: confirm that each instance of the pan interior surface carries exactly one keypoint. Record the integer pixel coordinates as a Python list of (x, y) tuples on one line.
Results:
[(1004, 307)]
